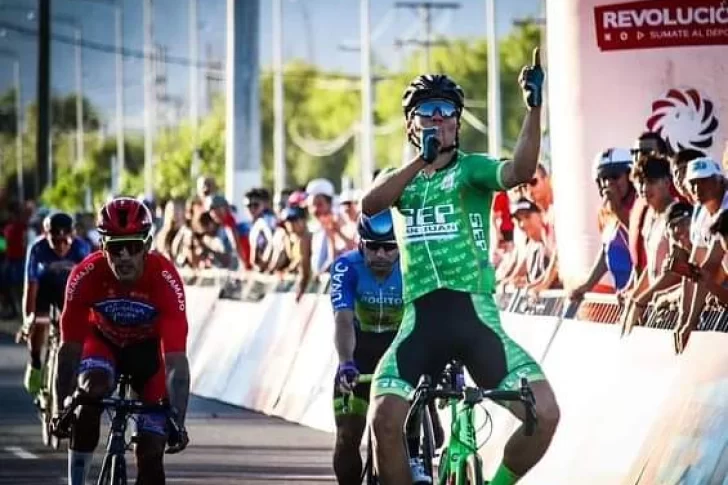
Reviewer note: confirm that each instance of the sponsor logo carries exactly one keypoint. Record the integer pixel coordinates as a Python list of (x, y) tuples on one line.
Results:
[(176, 287), (478, 228), (384, 299), (448, 182), (430, 222), (126, 312), (684, 118), (73, 282), (661, 23), (337, 280)]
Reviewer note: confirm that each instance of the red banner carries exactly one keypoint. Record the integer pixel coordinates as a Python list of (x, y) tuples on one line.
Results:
[(661, 23)]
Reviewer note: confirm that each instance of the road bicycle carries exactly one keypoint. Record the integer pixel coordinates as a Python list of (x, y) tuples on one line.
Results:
[(121, 408), (44, 400), (460, 463)]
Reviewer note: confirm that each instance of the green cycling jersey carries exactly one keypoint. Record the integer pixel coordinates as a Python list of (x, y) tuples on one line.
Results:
[(442, 224)]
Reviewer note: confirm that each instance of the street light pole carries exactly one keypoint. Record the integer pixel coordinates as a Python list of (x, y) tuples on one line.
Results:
[(495, 141), (18, 129), (79, 98), (119, 28), (194, 73), (367, 119), (119, 81), (279, 134), (18, 121), (149, 101)]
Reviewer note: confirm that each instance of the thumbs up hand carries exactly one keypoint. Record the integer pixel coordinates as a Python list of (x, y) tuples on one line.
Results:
[(531, 81)]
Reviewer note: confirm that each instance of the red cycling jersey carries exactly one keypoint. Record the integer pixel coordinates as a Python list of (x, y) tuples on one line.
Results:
[(150, 308)]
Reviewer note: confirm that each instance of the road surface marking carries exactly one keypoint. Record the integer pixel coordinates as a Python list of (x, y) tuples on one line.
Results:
[(21, 453)]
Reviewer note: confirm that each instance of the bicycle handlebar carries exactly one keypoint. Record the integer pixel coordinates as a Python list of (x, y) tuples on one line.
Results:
[(474, 395), (128, 406)]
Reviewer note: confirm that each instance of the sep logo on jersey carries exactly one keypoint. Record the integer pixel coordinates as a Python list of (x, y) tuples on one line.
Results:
[(431, 222), (126, 312)]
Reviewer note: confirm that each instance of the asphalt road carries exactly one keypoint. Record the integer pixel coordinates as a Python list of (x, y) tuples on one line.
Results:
[(228, 444)]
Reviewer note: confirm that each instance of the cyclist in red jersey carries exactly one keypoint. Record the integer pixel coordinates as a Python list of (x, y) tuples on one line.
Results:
[(124, 313)]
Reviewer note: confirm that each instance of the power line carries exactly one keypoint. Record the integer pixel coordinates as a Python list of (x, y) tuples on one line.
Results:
[(425, 11), (106, 48)]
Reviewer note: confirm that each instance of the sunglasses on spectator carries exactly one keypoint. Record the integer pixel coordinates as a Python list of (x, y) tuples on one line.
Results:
[(611, 176), (132, 246), (253, 205), (377, 245), (428, 109)]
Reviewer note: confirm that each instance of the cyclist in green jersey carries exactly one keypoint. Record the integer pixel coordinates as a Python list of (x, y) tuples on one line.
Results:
[(443, 200)]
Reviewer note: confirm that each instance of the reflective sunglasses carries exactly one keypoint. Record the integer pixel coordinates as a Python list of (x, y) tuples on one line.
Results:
[(428, 109), (377, 245), (131, 246)]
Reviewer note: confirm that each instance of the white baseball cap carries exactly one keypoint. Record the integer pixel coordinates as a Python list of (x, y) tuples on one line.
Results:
[(612, 159), (702, 168), (320, 187), (349, 195)]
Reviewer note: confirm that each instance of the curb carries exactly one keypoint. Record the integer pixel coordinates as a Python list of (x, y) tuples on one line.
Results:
[(9, 327)]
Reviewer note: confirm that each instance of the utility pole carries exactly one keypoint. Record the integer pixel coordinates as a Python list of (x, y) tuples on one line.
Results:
[(149, 97), (367, 105), (424, 10), (194, 73), (279, 133), (44, 174), (495, 137)]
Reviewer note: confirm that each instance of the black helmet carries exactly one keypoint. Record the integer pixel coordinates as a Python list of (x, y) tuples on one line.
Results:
[(378, 227), (431, 86), (58, 223)]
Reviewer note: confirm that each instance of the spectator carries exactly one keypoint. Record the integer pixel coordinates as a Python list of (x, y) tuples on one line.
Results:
[(206, 187), (281, 260), (222, 214), (299, 247), (647, 144), (666, 291), (15, 234), (502, 224), (349, 203), (719, 229), (539, 190), (211, 250), (258, 202), (679, 167), (280, 200), (328, 239), (611, 172), (709, 187), (535, 271), (651, 174), (172, 221)]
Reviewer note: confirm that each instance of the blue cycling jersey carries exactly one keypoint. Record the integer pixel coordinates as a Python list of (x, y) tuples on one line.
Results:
[(377, 305), (42, 262)]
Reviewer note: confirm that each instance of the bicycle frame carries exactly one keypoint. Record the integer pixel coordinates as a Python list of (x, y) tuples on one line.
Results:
[(461, 446)]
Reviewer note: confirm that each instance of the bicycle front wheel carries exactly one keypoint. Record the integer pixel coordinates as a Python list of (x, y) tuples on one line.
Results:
[(473, 471), (118, 470)]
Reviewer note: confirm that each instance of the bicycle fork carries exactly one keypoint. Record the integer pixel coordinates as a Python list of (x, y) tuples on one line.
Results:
[(462, 445), (113, 466)]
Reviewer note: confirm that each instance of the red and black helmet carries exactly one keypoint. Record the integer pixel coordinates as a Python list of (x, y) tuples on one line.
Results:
[(124, 216)]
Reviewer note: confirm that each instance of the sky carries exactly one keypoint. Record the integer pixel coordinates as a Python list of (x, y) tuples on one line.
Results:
[(313, 30)]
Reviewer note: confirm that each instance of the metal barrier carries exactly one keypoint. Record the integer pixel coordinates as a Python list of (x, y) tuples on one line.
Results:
[(594, 307), (549, 303)]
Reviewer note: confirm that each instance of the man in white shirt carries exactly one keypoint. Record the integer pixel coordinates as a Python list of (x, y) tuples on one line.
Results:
[(709, 187)]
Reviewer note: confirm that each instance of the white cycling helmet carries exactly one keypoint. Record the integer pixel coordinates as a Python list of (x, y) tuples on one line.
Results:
[(612, 160)]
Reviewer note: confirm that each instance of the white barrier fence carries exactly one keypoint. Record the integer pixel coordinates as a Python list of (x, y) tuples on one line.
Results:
[(632, 411)]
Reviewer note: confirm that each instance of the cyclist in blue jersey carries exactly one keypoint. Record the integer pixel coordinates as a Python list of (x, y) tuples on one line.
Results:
[(50, 260), (366, 295)]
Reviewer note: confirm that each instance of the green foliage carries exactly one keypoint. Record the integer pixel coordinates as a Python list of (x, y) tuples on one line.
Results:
[(318, 105)]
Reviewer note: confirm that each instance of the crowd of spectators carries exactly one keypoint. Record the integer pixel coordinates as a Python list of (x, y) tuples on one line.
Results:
[(660, 223)]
